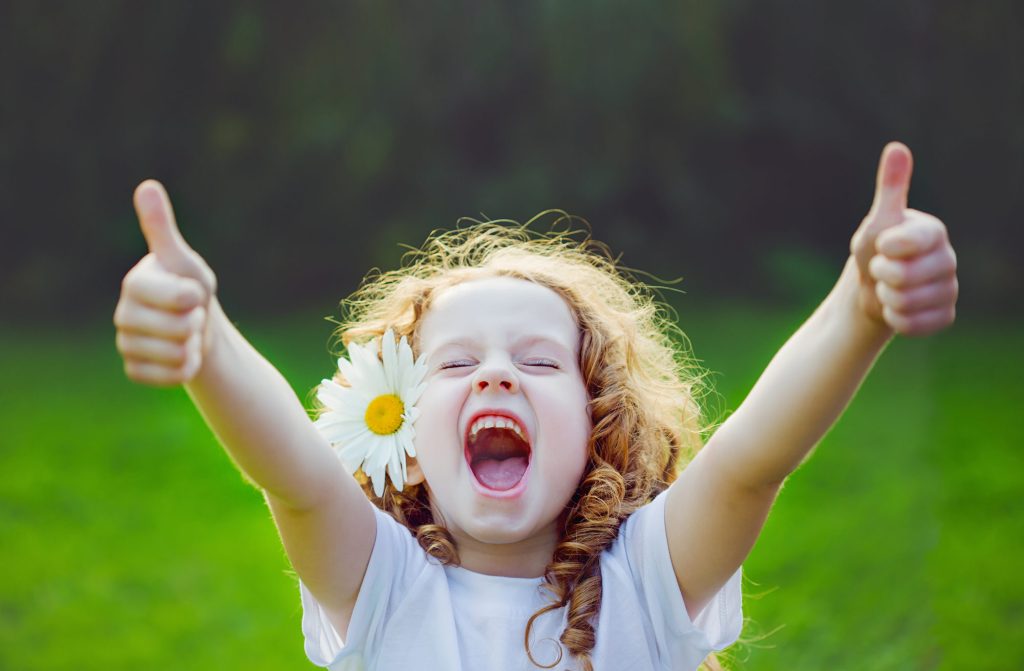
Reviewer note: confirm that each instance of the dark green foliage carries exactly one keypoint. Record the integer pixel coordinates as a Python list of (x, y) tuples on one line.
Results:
[(302, 142)]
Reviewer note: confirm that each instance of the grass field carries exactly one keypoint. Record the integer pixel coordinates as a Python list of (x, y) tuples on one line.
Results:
[(131, 542)]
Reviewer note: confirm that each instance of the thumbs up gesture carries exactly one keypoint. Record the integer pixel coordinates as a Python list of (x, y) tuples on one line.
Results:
[(161, 317), (906, 263)]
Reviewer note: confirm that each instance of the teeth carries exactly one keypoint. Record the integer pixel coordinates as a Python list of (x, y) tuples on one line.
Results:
[(493, 421)]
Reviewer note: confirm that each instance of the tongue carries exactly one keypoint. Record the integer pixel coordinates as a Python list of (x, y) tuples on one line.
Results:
[(500, 474)]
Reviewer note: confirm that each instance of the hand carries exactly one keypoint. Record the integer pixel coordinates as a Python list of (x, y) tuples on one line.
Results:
[(162, 316), (907, 266)]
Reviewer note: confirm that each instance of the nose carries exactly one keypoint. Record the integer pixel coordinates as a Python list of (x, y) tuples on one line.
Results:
[(496, 375)]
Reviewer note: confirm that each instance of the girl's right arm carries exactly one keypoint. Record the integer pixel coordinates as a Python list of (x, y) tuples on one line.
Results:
[(171, 330)]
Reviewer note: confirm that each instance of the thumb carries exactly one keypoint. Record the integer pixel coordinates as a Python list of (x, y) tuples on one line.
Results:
[(156, 219), (893, 181), (890, 202)]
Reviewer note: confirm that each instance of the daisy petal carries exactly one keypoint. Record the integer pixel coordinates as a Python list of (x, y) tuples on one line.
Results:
[(390, 357), (396, 470), (382, 366), (372, 378), (377, 478)]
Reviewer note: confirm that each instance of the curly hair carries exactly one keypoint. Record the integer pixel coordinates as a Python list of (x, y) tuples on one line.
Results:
[(641, 381)]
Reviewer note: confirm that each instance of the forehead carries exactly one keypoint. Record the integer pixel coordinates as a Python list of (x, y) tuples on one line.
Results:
[(503, 308)]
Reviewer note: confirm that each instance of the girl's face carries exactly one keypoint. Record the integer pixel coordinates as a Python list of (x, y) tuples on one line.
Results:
[(501, 347)]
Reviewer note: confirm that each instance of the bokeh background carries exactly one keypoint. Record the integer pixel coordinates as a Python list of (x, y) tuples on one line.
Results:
[(730, 143)]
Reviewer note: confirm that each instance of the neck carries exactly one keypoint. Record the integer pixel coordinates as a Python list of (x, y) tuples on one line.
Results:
[(525, 558)]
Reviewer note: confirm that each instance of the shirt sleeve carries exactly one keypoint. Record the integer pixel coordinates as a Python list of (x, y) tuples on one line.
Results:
[(645, 543), (395, 560)]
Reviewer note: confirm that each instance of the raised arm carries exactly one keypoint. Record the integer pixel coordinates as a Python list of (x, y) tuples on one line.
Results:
[(900, 278), (171, 330)]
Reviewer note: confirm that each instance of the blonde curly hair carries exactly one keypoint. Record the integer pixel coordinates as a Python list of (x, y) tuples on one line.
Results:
[(641, 380)]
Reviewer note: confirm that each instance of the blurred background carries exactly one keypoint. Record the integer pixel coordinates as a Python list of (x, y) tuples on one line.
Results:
[(729, 143)]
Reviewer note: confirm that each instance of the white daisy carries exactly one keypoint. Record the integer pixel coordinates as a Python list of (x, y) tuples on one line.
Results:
[(370, 423)]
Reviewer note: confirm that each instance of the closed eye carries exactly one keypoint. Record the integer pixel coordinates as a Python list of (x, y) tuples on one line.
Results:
[(548, 363), (460, 363)]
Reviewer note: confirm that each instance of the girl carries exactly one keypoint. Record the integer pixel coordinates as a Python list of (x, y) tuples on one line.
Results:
[(528, 491)]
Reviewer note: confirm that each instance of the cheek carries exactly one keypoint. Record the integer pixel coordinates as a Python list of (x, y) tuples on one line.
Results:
[(437, 425), (575, 436)]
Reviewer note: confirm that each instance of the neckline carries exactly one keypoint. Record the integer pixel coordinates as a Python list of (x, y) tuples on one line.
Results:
[(466, 575)]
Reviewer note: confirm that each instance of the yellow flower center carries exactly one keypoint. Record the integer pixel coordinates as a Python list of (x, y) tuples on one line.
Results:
[(384, 414)]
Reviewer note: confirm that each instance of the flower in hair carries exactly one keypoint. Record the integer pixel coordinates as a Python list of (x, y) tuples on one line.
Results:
[(370, 423)]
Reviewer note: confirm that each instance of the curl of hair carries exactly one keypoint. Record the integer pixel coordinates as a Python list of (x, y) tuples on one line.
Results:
[(642, 385)]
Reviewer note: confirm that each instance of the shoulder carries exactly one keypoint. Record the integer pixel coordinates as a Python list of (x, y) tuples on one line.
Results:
[(397, 564), (640, 535), (637, 569)]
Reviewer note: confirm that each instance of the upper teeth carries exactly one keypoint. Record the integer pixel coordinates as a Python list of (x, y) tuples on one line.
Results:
[(494, 422)]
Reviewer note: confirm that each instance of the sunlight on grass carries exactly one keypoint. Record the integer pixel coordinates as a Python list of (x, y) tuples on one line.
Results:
[(136, 543)]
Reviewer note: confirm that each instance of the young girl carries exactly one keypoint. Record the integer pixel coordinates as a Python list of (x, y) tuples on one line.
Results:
[(524, 437)]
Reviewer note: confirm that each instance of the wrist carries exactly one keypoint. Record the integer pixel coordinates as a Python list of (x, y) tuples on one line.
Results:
[(216, 345), (850, 304)]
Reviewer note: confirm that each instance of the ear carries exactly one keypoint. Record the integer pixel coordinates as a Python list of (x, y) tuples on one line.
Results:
[(414, 472)]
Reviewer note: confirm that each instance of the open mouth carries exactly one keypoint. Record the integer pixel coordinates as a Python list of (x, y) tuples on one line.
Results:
[(498, 452)]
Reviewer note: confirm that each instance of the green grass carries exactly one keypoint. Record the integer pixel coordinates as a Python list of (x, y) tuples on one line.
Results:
[(131, 542)]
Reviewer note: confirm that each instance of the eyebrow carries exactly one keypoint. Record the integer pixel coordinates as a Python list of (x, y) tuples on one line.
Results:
[(525, 340), (534, 339)]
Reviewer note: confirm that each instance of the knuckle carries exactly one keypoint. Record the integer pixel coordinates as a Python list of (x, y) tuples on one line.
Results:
[(899, 300), (880, 292), (930, 223), (939, 228), (886, 296), (876, 266), (179, 328), (179, 355), (130, 282), (124, 314), (894, 319), (185, 298), (132, 372), (208, 280), (186, 372), (190, 294), (177, 375), (197, 319)]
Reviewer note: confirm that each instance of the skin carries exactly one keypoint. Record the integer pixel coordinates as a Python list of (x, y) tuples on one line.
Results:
[(900, 278), (502, 344)]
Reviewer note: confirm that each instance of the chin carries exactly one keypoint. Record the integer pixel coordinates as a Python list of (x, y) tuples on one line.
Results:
[(498, 529)]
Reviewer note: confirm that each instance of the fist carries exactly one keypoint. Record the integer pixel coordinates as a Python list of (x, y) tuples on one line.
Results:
[(161, 317), (905, 261)]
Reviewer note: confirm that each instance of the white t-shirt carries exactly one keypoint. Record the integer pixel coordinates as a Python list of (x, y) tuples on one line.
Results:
[(414, 613)]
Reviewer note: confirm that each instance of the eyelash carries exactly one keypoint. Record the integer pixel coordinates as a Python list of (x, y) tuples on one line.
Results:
[(454, 364), (461, 363)]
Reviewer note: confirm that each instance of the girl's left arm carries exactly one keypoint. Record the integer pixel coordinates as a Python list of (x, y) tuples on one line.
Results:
[(900, 278)]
